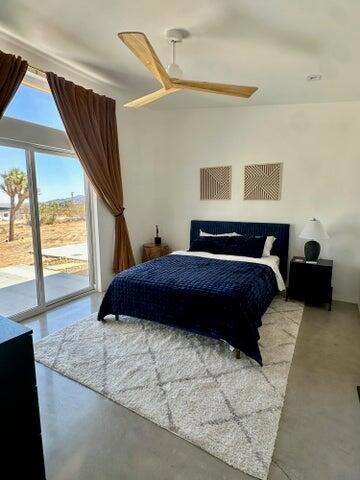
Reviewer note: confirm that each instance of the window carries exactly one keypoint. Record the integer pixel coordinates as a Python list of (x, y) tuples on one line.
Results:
[(35, 106)]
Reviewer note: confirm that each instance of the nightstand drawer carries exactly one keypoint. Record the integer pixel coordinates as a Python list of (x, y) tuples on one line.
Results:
[(310, 293), (152, 251), (314, 278), (310, 281)]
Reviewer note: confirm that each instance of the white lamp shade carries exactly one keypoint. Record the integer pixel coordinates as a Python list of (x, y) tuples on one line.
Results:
[(313, 230)]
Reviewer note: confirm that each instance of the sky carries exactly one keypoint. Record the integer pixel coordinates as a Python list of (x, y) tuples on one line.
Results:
[(57, 176), (34, 106)]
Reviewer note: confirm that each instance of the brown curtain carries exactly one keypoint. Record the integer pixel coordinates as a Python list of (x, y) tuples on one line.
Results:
[(12, 71), (90, 123)]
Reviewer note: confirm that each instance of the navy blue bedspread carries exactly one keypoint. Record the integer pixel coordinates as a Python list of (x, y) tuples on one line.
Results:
[(217, 298)]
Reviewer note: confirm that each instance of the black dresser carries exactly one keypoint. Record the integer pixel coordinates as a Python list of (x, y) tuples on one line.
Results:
[(310, 281), (21, 450)]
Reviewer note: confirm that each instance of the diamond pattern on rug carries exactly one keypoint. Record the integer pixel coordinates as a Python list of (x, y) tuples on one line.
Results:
[(188, 384)]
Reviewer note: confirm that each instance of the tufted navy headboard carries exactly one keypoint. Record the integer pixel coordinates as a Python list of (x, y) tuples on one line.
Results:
[(278, 230)]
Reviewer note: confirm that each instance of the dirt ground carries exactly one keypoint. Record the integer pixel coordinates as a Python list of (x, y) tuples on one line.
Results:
[(19, 251)]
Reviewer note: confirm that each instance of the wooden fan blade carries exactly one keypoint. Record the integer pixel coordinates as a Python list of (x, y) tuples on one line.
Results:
[(221, 88), (140, 46), (139, 102)]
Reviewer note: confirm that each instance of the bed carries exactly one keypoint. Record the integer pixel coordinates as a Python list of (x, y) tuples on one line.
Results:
[(208, 294)]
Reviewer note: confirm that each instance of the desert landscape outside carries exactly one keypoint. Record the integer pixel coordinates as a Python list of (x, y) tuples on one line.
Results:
[(63, 228), (63, 231)]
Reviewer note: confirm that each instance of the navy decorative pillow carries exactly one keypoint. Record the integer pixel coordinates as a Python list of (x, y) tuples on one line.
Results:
[(207, 244), (244, 245)]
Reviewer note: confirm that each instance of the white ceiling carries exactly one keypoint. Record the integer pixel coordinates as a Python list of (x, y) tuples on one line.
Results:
[(272, 44)]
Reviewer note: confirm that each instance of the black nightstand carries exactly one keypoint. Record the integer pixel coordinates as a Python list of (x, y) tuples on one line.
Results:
[(310, 282)]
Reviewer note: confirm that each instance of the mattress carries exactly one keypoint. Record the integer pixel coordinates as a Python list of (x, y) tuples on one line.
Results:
[(217, 297)]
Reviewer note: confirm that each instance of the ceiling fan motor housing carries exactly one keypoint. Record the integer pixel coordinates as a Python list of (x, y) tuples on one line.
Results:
[(174, 35)]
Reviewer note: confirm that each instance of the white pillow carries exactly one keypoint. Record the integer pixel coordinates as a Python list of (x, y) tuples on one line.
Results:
[(269, 242), (231, 234)]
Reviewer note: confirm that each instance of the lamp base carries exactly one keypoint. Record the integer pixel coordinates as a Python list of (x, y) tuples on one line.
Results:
[(312, 251)]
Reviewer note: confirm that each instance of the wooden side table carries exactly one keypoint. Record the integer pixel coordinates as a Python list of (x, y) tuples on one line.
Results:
[(151, 251)]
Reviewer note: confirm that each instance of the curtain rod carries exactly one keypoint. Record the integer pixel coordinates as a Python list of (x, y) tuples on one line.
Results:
[(37, 71), (32, 82)]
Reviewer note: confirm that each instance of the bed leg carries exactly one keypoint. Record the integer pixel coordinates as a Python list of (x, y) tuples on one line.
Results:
[(117, 318), (237, 353)]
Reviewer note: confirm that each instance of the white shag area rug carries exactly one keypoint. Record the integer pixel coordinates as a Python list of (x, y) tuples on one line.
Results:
[(191, 385)]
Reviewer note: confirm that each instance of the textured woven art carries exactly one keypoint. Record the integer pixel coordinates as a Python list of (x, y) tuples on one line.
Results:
[(262, 182), (215, 183)]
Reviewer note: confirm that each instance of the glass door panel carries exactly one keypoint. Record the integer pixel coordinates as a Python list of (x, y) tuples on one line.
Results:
[(18, 285), (63, 227)]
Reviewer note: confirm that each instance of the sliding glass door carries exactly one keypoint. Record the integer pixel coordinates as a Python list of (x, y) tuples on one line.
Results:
[(45, 229), (17, 262), (61, 199)]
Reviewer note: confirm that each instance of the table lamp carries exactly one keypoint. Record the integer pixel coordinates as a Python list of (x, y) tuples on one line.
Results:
[(312, 231)]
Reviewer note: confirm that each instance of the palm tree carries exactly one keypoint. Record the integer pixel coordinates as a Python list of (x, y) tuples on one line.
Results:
[(15, 184)]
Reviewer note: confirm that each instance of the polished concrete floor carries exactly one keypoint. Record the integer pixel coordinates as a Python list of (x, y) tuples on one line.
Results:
[(87, 437)]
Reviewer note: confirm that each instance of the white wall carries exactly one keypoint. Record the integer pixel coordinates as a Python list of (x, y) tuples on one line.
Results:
[(26, 132), (319, 146), (136, 130)]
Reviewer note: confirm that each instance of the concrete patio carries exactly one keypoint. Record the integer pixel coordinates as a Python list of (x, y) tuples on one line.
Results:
[(76, 251), (18, 287)]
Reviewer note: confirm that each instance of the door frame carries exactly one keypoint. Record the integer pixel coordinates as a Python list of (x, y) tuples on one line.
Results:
[(30, 150)]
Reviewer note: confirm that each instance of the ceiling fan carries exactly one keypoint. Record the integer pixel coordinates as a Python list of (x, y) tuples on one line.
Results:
[(140, 46)]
